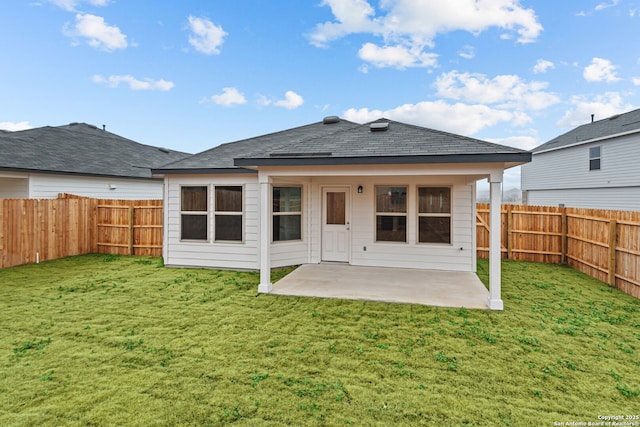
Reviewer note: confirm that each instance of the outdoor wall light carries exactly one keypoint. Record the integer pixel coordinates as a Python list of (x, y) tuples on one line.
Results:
[(360, 189)]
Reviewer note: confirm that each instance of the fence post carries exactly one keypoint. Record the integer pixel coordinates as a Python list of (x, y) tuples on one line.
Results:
[(613, 239), (509, 232), (564, 230), (131, 230)]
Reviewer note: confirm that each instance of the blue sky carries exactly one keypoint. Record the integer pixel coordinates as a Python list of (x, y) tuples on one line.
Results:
[(190, 75)]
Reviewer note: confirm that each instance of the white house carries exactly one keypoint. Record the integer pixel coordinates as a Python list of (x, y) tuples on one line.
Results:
[(592, 166), (384, 194), (79, 159)]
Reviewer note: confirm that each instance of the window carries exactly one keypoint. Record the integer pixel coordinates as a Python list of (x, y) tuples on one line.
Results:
[(193, 213), (434, 215), (594, 158), (391, 214), (228, 213), (287, 213)]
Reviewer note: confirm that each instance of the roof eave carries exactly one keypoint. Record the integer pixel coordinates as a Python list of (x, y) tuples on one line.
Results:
[(587, 141), (201, 171), (513, 159), (72, 173)]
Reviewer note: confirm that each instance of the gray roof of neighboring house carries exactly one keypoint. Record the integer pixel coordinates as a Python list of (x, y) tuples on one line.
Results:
[(79, 148), (614, 125), (344, 142)]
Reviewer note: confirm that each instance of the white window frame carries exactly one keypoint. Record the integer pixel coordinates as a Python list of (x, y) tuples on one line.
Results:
[(216, 213), (598, 158), (296, 213), (404, 214), (434, 215), (196, 213)]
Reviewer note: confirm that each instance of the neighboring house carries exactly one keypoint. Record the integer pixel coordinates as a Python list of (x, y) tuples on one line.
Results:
[(79, 159), (593, 166), (383, 194)]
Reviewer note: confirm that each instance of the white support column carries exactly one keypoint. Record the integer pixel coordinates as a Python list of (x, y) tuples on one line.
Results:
[(264, 239), (495, 279), (165, 231)]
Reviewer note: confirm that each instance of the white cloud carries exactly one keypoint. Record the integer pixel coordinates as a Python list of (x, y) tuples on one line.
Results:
[(352, 16), (228, 97), (396, 56), (542, 66), (457, 118), (99, 34), (291, 100), (523, 142), (600, 70), (506, 91), (134, 84), (598, 8), (206, 36), (414, 24), (601, 106), (15, 126), (467, 52), (636, 81), (71, 5), (605, 5)]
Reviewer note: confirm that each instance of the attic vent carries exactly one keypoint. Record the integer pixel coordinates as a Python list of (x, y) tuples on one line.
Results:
[(614, 117), (379, 126), (164, 150), (330, 120)]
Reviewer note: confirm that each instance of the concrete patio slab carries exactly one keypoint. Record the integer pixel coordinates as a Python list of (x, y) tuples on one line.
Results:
[(398, 285)]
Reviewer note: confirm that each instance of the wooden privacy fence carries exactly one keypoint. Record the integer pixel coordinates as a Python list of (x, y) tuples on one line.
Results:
[(603, 244), (38, 230), (129, 228)]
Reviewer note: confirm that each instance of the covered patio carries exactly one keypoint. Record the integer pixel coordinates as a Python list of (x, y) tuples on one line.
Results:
[(398, 285)]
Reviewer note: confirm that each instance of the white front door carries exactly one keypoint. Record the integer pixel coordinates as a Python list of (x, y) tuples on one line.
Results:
[(336, 224)]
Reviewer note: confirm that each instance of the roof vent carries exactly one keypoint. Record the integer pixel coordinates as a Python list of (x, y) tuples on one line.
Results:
[(379, 126), (614, 117), (330, 120), (163, 150)]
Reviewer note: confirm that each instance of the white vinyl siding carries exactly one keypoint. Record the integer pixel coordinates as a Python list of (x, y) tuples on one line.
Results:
[(294, 252), (210, 254), (626, 198), (457, 256), (48, 186), (563, 176)]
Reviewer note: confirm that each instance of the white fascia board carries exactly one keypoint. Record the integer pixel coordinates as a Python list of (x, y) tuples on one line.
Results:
[(589, 141)]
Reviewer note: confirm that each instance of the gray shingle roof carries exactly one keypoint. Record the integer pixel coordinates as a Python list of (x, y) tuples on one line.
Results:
[(345, 142), (222, 157), (619, 123), (79, 148)]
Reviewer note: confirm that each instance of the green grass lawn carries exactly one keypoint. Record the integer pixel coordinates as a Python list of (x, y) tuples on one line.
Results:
[(97, 340)]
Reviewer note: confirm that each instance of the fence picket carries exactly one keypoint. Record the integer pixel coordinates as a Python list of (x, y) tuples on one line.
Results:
[(603, 244)]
